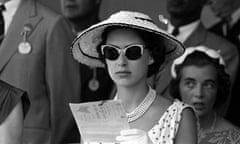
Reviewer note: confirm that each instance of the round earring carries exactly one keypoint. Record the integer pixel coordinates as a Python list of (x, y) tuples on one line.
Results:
[(151, 61)]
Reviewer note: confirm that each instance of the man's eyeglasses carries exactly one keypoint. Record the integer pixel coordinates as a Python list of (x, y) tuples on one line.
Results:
[(132, 52)]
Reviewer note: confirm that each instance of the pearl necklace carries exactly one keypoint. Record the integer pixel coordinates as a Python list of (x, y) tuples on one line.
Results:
[(142, 107)]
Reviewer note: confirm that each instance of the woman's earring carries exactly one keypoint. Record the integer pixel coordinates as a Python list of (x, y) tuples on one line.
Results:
[(151, 61)]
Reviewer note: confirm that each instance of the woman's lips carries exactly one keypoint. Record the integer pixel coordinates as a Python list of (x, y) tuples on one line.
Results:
[(70, 6), (199, 106), (123, 73)]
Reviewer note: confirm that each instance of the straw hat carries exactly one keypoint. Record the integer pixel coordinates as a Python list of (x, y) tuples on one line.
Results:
[(84, 46)]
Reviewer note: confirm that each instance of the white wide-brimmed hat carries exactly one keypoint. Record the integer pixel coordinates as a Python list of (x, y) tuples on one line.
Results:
[(84, 47)]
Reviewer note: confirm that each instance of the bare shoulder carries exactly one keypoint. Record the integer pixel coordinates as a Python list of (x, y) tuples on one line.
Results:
[(159, 107), (163, 102), (189, 114), (187, 132)]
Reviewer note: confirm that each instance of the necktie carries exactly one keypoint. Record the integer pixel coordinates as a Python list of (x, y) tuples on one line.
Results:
[(175, 31), (2, 8)]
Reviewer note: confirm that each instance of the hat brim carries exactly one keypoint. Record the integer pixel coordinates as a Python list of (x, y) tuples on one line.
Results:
[(84, 47)]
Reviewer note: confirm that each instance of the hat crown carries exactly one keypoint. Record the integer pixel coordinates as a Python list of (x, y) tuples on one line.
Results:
[(130, 15), (132, 18)]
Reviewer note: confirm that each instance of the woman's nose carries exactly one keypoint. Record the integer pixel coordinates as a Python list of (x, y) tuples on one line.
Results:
[(122, 59), (198, 91)]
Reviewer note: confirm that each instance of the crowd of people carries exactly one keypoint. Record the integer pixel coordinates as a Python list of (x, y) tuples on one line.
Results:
[(177, 85)]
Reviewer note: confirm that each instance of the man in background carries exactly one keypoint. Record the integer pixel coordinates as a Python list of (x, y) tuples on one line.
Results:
[(95, 82), (81, 13), (229, 27), (229, 13), (35, 56)]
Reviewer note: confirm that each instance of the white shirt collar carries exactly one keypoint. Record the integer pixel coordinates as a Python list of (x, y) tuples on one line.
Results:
[(8, 14), (184, 31)]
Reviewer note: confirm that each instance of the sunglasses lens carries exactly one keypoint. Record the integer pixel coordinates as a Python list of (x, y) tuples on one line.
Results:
[(134, 52), (110, 53)]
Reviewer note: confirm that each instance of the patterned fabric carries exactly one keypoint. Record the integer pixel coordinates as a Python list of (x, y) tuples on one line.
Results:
[(165, 131), (230, 136)]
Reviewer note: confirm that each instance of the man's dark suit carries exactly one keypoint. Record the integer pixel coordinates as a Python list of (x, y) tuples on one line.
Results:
[(105, 87), (200, 36), (233, 35), (48, 72)]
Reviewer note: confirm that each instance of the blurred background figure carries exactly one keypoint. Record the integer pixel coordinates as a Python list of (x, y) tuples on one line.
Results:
[(186, 25), (35, 56), (199, 79), (81, 13), (229, 27), (153, 8), (229, 13), (14, 105), (95, 82)]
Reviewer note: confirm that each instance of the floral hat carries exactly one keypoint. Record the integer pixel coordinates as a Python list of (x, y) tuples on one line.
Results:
[(84, 47)]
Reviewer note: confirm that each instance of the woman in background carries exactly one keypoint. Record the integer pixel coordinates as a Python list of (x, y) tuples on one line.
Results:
[(200, 80)]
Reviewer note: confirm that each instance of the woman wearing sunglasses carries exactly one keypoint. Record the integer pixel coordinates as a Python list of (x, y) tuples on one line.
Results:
[(200, 80), (132, 48)]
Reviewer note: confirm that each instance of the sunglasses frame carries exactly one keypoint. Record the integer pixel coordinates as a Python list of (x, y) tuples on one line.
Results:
[(122, 50)]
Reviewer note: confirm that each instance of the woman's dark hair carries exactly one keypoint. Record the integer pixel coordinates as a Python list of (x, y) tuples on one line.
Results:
[(200, 59), (155, 46)]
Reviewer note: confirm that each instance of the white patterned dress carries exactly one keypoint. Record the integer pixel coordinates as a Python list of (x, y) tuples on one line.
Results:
[(165, 131)]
